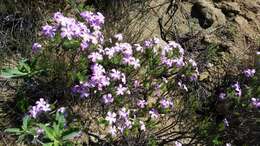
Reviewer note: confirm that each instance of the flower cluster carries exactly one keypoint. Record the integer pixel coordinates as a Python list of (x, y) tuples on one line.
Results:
[(128, 79), (178, 60), (120, 121), (41, 106), (69, 28)]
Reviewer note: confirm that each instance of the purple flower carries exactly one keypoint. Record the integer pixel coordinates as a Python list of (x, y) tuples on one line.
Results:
[(148, 43), (237, 89), (194, 77), (142, 126), (193, 63), (249, 72), (48, 31), (156, 40), (141, 103), (115, 74), (39, 131), (120, 90), (132, 61), (179, 62), (66, 32), (226, 123), (111, 117), (136, 83), (36, 47), (154, 114), (228, 144), (166, 61), (82, 89), (258, 53), (41, 106), (62, 110), (123, 78), (119, 37), (166, 103), (178, 143), (125, 48), (110, 52), (98, 78), (222, 96), (95, 20), (255, 102), (173, 44), (138, 48), (84, 45), (107, 98), (123, 113), (183, 86), (95, 56), (112, 130)]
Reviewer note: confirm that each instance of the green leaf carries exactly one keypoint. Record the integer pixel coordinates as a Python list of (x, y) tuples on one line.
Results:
[(71, 44), (9, 73), (23, 66), (71, 135), (21, 138), (13, 130), (26, 120), (48, 144), (61, 119), (49, 132), (57, 130)]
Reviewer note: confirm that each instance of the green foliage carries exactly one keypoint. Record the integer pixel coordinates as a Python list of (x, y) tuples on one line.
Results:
[(54, 133), (24, 69), (25, 133)]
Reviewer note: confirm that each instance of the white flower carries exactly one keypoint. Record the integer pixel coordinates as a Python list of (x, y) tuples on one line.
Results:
[(111, 117)]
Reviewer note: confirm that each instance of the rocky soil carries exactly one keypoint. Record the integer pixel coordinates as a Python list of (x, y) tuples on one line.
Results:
[(227, 32)]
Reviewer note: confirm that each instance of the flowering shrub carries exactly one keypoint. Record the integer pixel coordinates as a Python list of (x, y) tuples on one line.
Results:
[(143, 90)]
